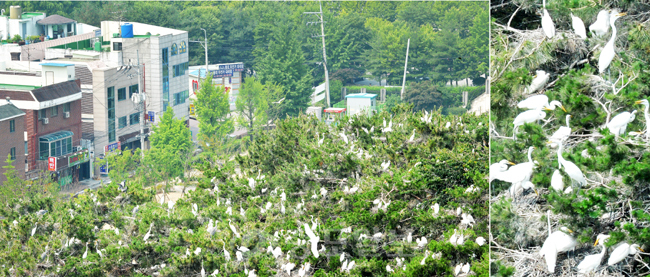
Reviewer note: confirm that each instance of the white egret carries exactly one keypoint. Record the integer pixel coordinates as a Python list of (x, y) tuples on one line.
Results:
[(609, 51), (547, 22), (563, 132), (412, 136), (528, 117), (162, 197), (601, 26), (618, 124), (212, 228), (251, 183), (426, 255), (570, 168), (496, 168), (465, 268), (85, 253), (557, 242), (34, 230), (436, 208), (344, 137), (148, 234), (409, 238), (448, 124), (225, 252), (519, 173), (197, 251), (539, 81), (557, 181), (422, 242), (578, 26), (385, 165), (457, 269), (480, 241), (202, 270), (591, 262), (621, 252), (239, 256), (539, 101), (389, 269), (232, 228), (288, 267), (313, 240)]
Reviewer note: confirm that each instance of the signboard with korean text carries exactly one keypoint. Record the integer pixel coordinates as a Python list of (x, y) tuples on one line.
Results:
[(237, 67), (78, 158), (98, 33), (152, 116), (221, 73), (51, 163), (192, 112), (111, 147)]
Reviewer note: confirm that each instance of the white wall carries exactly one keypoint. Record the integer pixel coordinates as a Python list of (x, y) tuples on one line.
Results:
[(357, 105)]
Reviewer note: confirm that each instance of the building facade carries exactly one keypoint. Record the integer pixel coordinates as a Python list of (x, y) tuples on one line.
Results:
[(361, 103), (228, 75), (20, 23), (12, 132)]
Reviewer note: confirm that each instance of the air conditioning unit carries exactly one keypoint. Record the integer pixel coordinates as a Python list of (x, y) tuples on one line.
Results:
[(66, 114), (46, 120), (78, 148)]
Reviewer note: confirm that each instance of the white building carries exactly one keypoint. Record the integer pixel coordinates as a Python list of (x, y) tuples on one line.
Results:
[(358, 103), (20, 23), (228, 75)]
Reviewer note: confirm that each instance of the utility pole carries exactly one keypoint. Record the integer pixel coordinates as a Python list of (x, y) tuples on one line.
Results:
[(322, 30), (205, 45), (140, 102), (408, 43)]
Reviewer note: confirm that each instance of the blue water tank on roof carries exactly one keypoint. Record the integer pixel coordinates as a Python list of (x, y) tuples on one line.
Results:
[(127, 30)]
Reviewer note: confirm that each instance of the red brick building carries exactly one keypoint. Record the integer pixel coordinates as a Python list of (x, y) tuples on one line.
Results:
[(52, 129), (12, 127)]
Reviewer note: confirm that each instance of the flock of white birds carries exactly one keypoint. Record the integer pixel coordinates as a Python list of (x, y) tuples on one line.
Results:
[(519, 175), (234, 247)]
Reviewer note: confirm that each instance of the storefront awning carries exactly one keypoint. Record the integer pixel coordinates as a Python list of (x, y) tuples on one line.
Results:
[(56, 136)]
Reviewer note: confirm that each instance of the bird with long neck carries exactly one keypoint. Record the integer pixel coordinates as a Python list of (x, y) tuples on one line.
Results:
[(646, 115), (608, 53)]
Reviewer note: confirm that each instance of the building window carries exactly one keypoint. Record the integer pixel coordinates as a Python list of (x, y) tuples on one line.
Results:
[(15, 56), (56, 144), (134, 118), (42, 114), (133, 89), (13, 153), (180, 69), (111, 114), (165, 75), (26, 149), (12, 126), (66, 107), (54, 111), (121, 94), (122, 122), (179, 98), (117, 46)]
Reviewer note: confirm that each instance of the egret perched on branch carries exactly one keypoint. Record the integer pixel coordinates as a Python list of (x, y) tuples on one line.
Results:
[(556, 181), (344, 137), (621, 252), (496, 168), (570, 168), (148, 234), (557, 242), (578, 26), (528, 117), (547, 22), (225, 252), (34, 230), (232, 228), (591, 262), (313, 240), (645, 103), (85, 253), (608, 53), (519, 173), (539, 102), (601, 26), (539, 81), (618, 125), (563, 132)]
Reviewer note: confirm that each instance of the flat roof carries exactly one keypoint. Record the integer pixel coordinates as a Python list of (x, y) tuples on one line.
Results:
[(334, 110), (17, 87), (57, 64), (27, 15), (361, 95)]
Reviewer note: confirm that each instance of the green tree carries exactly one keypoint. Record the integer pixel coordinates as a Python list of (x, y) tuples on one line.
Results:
[(12, 183), (122, 164), (423, 96), (252, 104), (171, 144), (284, 65), (212, 110)]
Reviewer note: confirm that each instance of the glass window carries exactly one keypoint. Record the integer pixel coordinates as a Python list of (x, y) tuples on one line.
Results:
[(42, 114), (122, 122), (44, 150), (26, 149), (121, 94), (66, 107), (54, 111), (134, 118), (12, 126), (69, 145), (13, 153), (111, 113), (133, 89)]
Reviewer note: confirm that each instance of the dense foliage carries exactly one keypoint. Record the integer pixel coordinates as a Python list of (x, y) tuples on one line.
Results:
[(614, 200), (320, 175)]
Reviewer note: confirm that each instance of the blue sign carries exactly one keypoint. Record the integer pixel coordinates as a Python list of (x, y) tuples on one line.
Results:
[(152, 116), (98, 33), (221, 73), (237, 67), (103, 169), (111, 147)]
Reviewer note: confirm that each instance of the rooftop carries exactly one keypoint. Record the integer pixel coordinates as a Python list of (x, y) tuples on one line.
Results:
[(9, 111), (55, 19), (17, 87), (57, 64), (361, 95), (28, 15)]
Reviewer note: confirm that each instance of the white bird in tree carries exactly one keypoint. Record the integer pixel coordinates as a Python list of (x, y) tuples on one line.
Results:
[(251, 183), (540, 101), (197, 251), (135, 210), (646, 115), (148, 234), (499, 167), (556, 181), (313, 240), (344, 137), (98, 251), (232, 228), (212, 228), (557, 242), (570, 168), (389, 269), (622, 251), (385, 165), (225, 252), (609, 51), (436, 208), (202, 270), (601, 26), (539, 81), (239, 255), (547, 22), (34, 230), (412, 136), (421, 242), (618, 125), (162, 197), (591, 262), (465, 268), (216, 271), (304, 269), (426, 255), (578, 27), (320, 141), (457, 269), (563, 132), (389, 128), (85, 255), (480, 241), (529, 116)]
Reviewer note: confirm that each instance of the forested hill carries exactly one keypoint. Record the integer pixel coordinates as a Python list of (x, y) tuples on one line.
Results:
[(449, 40)]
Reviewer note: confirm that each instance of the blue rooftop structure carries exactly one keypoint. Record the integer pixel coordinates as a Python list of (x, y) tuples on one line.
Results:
[(57, 64), (361, 95), (196, 72)]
